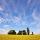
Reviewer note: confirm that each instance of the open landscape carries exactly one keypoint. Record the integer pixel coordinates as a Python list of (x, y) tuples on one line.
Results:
[(19, 37), (19, 19)]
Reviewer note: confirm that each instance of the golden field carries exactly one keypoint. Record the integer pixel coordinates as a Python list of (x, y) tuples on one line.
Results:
[(19, 37)]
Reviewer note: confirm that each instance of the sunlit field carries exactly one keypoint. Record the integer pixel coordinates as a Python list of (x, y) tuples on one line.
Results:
[(19, 37)]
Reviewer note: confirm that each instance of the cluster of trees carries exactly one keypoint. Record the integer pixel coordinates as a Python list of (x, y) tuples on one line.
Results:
[(23, 32)]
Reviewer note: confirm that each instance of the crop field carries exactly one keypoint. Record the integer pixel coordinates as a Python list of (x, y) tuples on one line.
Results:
[(19, 37)]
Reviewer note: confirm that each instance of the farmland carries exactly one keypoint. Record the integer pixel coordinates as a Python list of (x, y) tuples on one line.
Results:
[(19, 37)]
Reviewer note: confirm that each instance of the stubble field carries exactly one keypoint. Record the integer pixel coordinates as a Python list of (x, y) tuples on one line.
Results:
[(19, 37)]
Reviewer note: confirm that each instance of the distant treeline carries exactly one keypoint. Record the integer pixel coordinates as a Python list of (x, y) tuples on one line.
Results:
[(23, 32)]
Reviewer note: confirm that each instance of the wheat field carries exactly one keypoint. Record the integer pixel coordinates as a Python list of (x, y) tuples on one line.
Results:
[(19, 37)]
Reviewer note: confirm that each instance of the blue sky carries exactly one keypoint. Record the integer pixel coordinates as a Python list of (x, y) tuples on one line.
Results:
[(19, 14)]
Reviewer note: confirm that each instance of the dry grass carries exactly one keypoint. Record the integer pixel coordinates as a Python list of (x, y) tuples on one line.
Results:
[(19, 37)]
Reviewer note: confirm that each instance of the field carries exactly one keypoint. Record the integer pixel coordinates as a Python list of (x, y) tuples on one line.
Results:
[(19, 37)]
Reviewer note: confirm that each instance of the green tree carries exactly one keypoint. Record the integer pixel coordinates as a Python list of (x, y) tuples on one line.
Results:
[(28, 31), (32, 33), (24, 32), (12, 32), (19, 33)]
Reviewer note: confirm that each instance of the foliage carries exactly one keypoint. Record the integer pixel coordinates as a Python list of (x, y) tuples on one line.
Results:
[(19, 33), (24, 32), (12, 32), (28, 31), (32, 33)]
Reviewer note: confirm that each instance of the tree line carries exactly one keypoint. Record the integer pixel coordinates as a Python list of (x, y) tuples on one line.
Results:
[(23, 32)]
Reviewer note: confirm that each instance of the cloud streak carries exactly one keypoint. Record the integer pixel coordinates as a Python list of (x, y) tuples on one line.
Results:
[(36, 15), (1, 8), (20, 14)]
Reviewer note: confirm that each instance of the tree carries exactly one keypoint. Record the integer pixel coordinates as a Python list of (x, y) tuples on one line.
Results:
[(28, 31), (12, 32), (32, 33), (19, 33), (24, 32)]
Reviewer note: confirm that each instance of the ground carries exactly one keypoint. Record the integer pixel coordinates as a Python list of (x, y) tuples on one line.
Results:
[(19, 37)]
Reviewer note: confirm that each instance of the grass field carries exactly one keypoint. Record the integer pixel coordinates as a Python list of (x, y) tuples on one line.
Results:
[(19, 37)]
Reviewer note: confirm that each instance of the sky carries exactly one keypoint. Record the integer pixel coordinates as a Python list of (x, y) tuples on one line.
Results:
[(19, 14)]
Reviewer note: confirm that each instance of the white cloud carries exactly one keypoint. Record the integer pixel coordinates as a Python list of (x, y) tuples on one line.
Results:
[(29, 1), (17, 19), (1, 8), (2, 20), (6, 26), (36, 15), (13, 19), (6, 14), (5, 29)]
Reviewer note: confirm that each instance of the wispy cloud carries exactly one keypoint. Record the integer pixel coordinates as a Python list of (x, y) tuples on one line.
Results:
[(20, 13), (13, 19), (36, 17), (5, 29), (1, 8)]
